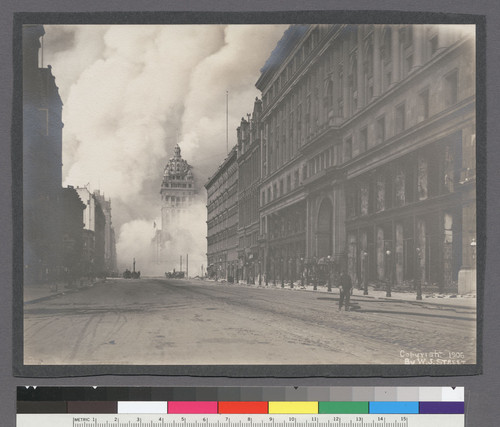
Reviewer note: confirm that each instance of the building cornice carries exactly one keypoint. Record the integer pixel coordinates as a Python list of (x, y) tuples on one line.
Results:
[(222, 168)]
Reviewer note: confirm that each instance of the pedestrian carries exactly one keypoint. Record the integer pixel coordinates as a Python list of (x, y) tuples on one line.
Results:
[(345, 286)]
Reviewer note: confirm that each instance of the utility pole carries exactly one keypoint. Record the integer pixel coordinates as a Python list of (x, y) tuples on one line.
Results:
[(187, 266)]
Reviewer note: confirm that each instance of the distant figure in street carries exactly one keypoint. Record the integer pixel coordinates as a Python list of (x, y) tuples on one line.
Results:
[(345, 286)]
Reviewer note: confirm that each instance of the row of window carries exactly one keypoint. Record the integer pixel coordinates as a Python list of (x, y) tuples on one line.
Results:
[(224, 183), (223, 218), (249, 171), (285, 226), (280, 187), (224, 201), (248, 240), (417, 178), (248, 210), (177, 185), (303, 113)]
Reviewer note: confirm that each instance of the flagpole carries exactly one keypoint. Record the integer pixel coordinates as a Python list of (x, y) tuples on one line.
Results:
[(227, 126)]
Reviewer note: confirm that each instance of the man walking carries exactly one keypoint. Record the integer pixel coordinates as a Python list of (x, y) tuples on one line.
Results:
[(345, 290)]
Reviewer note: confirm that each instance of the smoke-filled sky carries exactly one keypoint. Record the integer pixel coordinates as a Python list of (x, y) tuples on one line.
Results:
[(130, 93)]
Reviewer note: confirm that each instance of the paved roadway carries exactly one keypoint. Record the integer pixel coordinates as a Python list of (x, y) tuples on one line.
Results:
[(159, 321)]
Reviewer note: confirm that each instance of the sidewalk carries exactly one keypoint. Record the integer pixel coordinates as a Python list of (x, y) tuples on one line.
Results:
[(449, 300), (36, 293)]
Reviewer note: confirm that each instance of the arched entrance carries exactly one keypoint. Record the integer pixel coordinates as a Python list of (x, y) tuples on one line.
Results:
[(324, 230)]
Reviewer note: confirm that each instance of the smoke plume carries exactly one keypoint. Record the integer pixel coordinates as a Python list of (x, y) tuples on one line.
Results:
[(131, 93)]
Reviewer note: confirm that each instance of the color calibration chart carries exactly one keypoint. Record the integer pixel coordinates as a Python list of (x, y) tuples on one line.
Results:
[(240, 407)]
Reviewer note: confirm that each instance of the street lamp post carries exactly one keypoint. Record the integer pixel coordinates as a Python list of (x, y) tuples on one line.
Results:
[(418, 282), (260, 274), (473, 245), (329, 267), (291, 273), (307, 271), (315, 274), (302, 272), (389, 263), (365, 273), (274, 270), (282, 271), (266, 270)]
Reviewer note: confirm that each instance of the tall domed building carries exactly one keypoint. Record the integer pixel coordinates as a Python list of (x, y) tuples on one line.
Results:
[(177, 190)]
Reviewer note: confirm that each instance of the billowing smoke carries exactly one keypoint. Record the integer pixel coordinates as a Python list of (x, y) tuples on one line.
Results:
[(130, 93)]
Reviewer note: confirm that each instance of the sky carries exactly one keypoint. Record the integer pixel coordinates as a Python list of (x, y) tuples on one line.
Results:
[(130, 93)]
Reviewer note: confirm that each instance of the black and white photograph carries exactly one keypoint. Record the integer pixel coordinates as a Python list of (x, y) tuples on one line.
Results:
[(249, 194)]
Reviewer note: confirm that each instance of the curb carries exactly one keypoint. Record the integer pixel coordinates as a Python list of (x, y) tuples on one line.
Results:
[(381, 298), (419, 302)]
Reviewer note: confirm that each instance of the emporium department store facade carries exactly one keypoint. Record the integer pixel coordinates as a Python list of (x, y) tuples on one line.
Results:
[(367, 150)]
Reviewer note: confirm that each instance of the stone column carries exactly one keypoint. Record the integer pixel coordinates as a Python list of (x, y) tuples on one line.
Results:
[(395, 54), (380, 254), (376, 61), (421, 244), (345, 95), (418, 41), (309, 233), (360, 70), (398, 249), (339, 233)]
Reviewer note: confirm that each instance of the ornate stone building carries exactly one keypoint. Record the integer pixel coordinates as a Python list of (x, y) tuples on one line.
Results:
[(42, 165), (73, 233), (222, 221), (177, 193), (110, 266), (94, 223), (249, 134), (368, 153)]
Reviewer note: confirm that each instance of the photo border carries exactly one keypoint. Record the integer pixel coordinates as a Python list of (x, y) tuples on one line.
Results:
[(288, 17)]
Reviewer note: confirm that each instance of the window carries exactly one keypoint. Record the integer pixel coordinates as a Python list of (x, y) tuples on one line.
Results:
[(433, 44), (387, 79), (341, 80), (348, 149), (329, 95), (363, 140), (423, 105), (399, 118), (338, 154), (408, 64), (406, 36), (451, 88), (380, 130)]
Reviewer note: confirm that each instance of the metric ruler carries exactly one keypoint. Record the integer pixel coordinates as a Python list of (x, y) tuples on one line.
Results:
[(224, 420), (240, 407)]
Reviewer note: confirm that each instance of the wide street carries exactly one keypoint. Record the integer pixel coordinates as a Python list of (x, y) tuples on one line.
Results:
[(162, 322)]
